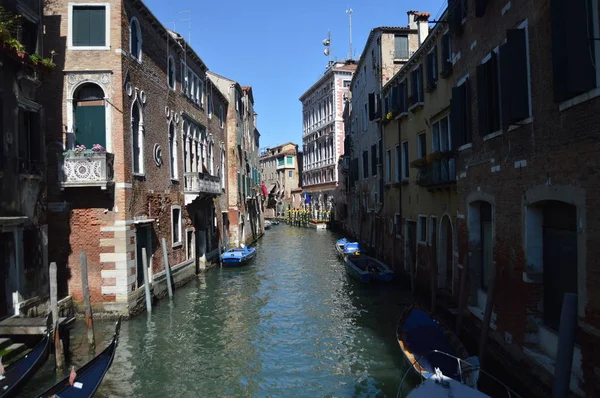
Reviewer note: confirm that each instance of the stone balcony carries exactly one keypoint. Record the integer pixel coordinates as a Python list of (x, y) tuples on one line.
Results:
[(438, 173), (201, 183), (79, 170)]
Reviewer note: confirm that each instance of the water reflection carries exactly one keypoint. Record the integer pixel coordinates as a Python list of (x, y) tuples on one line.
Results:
[(290, 324)]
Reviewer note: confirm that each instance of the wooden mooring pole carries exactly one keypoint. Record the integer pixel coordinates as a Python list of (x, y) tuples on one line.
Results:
[(146, 281), (89, 317), (168, 267), (58, 347)]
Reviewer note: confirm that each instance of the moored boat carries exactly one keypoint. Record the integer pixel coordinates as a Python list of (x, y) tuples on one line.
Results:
[(428, 344), (367, 269), (267, 224), (84, 382), (439, 385), (238, 256), (22, 370), (275, 222), (344, 248)]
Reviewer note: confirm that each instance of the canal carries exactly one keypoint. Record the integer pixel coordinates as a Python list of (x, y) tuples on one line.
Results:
[(292, 323)]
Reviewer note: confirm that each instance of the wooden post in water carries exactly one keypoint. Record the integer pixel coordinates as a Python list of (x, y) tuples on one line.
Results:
[(487, 316), (167, 266), (146, 281), (433, 273), (89, 321), (58, 348), (462, 293)]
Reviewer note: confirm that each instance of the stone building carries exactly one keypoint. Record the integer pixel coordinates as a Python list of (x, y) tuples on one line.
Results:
[(280, 169), (23, 206), (323, 133), (386, 51), (245, 221), (137, 153)]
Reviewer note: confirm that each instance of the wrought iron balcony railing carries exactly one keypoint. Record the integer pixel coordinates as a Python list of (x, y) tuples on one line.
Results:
[(197, 183), (438, 172), (87, 170)]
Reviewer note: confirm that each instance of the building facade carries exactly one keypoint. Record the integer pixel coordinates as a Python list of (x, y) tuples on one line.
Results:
[(23, 205), (323, 133), (386, 51), (524, 128), (137, 157), (244, 219), (280, 169)]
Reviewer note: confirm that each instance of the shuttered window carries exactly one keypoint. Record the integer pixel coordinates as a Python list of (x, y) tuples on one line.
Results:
[(432, 68), (371, 106), (514, 77), (573, 47), (400, 47), (460, 115), (374, 160), (488, 95), (89, 26), (416, 78), (365, 164)]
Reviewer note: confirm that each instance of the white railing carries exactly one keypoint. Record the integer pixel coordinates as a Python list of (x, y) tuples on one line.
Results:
[(86, 169), (196, 183)]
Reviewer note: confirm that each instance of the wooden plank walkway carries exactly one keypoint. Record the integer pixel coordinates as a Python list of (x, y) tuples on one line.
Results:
[(20, 325)]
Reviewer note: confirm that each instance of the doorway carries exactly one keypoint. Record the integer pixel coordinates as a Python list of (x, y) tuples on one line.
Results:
[(143, 238), (90, 120)]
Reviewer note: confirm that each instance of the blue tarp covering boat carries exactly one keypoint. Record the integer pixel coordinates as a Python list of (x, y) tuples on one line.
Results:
[(238, 256), (344, 248)]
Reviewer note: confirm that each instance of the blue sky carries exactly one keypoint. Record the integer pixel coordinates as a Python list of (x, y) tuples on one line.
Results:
[(276, 46)]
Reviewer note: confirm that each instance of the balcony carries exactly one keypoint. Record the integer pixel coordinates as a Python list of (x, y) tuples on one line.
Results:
[(81, 170), (438, 172), (201, 183)]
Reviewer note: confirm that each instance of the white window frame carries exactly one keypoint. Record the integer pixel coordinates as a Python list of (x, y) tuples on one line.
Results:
[(174, 243), (405, 155), (137, 57), (173, 163), (187, 245), (70, 27), (420, 228), (169, 60), (388, 166)]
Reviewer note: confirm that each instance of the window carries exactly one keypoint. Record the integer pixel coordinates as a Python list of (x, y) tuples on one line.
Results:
[(416, 80), (184, 77), (374, 160), (89, 26), (405, 160), (440, 135), (30, 149), (171, 73), (209, 103), (280, 162), (364, 117), (400, 97), (199, 91), (398, 159), (346, 83), (290, 174), (135, 39), (388, 166), (222, 167), (176, 226), (515, 76), (173, 151), (401, 47), (365, 164), (460, 114), (458, 13), (397, 225), (422, 229), (488, 95), (421, 146), (289, 160), (221, 116), (446, 65), (211, 160), (575, 47), (432, 68), (137, 138)]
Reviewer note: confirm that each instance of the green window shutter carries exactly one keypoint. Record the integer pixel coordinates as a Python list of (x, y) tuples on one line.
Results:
[(290, 160), (97, 26), (80, 23), (91, 126), (280, 162)]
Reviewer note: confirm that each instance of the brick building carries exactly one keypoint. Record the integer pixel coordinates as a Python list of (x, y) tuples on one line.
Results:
[(524, 117), (244, 220), (23, 223), (134, 94)]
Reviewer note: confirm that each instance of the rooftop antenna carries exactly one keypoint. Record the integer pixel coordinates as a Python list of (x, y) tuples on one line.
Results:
[(189, 20), (327, 51), (349, 12)]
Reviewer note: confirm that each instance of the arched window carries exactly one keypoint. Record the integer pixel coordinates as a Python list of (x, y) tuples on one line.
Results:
[(135, 39), (171, 80), (137, 138), (173, 151), (89, 116)]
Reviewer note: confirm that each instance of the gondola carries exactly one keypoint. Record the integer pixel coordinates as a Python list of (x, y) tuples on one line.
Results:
[(89, 376), (23, 369)]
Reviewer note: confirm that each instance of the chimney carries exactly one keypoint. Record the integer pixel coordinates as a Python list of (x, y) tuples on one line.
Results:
[(420, 21)]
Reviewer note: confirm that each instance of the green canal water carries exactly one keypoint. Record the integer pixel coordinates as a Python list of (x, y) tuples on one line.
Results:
[(290, 324)]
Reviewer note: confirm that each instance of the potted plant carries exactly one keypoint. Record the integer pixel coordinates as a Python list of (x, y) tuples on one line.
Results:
[(417, 163), (35, 58)]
